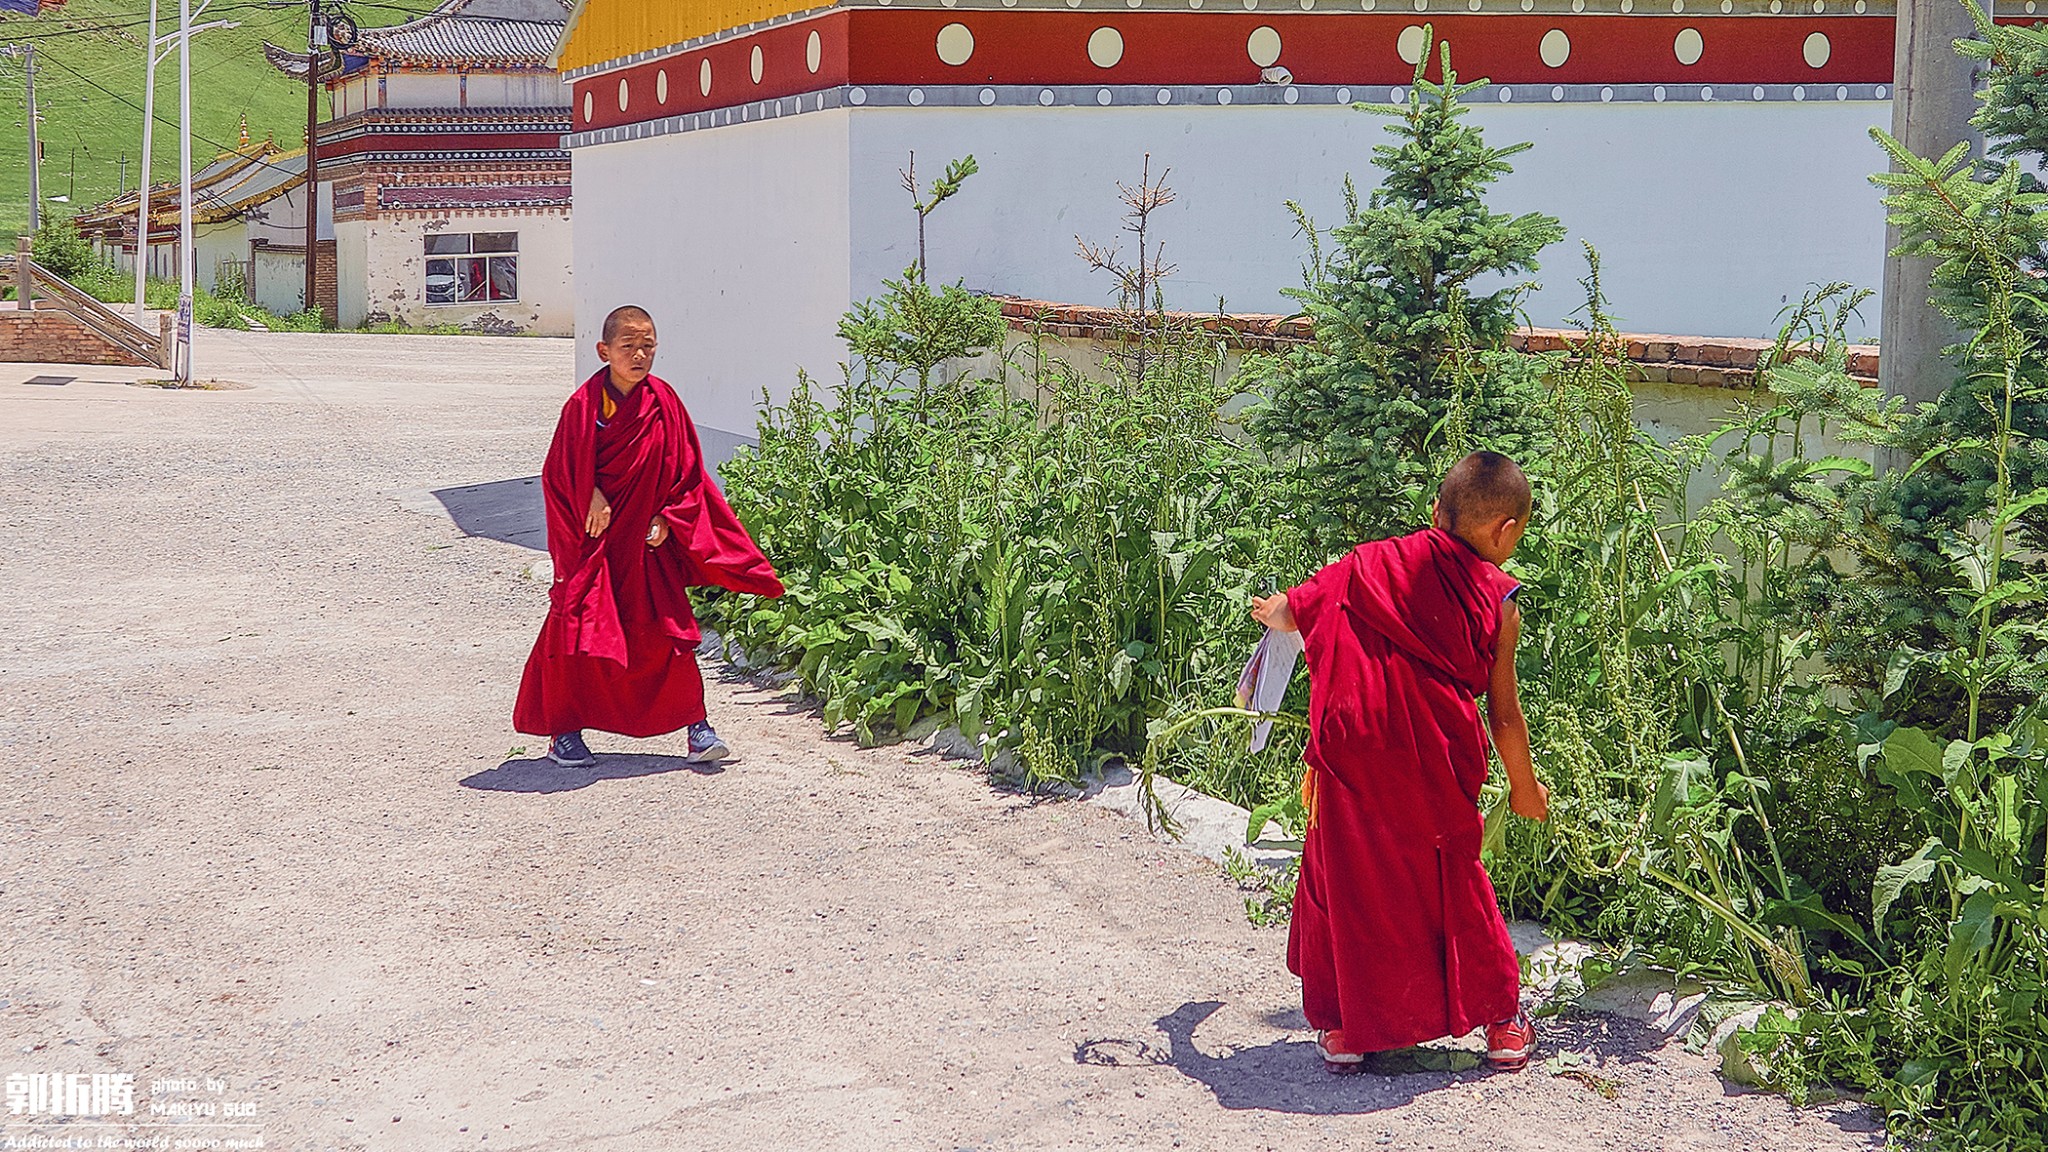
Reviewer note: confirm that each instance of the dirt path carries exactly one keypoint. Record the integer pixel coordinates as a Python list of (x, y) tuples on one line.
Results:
[(265, 822)]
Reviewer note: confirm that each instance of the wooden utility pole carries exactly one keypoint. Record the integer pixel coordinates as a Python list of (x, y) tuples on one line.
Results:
[(316, 46), (1933, 97)]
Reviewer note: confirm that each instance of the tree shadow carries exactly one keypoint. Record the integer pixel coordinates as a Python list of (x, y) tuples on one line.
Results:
[(545, 776), (1287, 1075), (513, 511)]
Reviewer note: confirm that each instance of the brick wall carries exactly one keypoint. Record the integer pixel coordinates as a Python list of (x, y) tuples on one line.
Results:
[(1708, 361), (47, 337), (324, 290)]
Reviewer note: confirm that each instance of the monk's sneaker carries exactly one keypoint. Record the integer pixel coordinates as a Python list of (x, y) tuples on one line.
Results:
[(570, 751), (1509, 1043), (1336, 1053), (705, 746)]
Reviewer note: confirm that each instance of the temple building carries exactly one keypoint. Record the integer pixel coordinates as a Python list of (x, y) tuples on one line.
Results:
[(736, 161), (443, 167), (248, 226)]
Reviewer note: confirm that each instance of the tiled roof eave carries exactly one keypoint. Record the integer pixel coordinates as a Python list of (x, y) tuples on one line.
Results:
[(471, 63)]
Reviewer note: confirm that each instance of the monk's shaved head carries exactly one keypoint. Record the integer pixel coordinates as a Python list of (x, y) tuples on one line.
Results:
[(1483, 488), (624, 313)]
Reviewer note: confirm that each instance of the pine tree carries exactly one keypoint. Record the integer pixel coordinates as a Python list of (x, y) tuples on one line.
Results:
[(1887, 576), (1409, 362)]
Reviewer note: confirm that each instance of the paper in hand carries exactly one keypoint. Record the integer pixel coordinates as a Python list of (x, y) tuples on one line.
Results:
[(1264, 681)]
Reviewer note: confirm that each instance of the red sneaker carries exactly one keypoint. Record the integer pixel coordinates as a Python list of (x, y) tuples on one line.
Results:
[(1337, 1060), (1510, 1043)]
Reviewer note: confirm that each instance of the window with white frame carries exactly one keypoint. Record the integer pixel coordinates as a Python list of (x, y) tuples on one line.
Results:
[(472, 267)]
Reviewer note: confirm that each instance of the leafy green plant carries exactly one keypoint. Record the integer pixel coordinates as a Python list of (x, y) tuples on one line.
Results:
[(1052, 573), (912, 329), (1965, 1050), (58, 247), (1270, 899)]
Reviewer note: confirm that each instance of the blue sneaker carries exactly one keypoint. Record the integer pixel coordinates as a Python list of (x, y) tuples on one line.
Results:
[(705, 746), (570, 751)]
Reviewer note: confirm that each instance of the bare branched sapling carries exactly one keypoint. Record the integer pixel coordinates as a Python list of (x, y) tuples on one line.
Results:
[(1138, 281), (927, 201)]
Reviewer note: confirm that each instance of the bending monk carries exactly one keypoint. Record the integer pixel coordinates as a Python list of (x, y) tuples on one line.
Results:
[(633, 522), (1396, 934)]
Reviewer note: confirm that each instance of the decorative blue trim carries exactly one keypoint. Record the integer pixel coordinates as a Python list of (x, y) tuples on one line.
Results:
[(1115, 96)]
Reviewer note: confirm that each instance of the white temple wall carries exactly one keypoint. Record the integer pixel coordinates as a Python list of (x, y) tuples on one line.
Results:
[(418, 90), (382, 272), (278, 280), (282, 219), (737, 242), (1707, 216), (517, 90), (351, 272), (749, 241), (225, 240)]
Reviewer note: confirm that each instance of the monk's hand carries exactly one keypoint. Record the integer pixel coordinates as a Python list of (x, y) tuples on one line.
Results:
[(600, 515), (1274, 612), (1531, 801), (657, 532)]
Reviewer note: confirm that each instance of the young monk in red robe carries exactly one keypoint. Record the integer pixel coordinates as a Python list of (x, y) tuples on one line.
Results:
[(633, 521), (1396, 934)]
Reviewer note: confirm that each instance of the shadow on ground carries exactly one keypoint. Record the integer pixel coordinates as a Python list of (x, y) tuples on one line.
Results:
[(547, 776), (513, 511), (1287, 1075)]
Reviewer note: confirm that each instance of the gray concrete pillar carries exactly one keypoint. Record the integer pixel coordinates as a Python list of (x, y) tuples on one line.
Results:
[(1932, 102)]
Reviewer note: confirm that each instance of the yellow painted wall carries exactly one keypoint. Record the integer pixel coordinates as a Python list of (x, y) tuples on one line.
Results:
[(608, 29)]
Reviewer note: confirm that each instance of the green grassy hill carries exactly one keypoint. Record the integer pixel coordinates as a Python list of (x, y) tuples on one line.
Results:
[(89, 77)]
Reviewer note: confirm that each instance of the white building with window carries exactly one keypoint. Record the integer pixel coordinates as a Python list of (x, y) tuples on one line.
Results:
[(472, 267), (449, 185)]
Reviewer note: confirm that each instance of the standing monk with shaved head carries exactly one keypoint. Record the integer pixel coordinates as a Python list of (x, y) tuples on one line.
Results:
[(1397, 936), (634, 520)]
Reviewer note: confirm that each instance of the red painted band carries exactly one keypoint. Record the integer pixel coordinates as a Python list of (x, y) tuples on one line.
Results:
[(871, 46)]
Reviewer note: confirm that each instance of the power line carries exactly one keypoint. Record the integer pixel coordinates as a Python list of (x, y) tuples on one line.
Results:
[(165, 120), (417, 14), (414, 13), (81, 30)]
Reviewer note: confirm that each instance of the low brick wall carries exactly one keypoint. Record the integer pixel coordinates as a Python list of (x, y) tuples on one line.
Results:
[(1702, 361), (46, 336)]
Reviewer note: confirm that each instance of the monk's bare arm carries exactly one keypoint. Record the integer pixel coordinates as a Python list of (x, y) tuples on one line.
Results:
[(1526, 794), (600, 515), (1275, 612)]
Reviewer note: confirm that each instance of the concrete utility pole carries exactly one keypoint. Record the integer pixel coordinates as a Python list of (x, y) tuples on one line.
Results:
[(35, 150), (149, 55), (316, 44), (186, 257), (1932, 101)]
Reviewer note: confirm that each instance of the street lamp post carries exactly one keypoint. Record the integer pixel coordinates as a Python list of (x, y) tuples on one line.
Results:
[(159, 47)]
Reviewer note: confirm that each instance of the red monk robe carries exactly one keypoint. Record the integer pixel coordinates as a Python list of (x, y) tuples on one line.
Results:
[(618, 650), (1396, 933)]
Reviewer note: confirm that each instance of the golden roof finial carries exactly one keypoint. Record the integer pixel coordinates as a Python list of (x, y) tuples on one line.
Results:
[(245, 130)]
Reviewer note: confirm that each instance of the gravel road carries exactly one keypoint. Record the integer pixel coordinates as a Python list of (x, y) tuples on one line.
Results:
[(270, 846)]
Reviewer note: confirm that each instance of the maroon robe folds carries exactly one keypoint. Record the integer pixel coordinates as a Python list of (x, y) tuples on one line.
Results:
[(1396, 933), (617, 652)]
